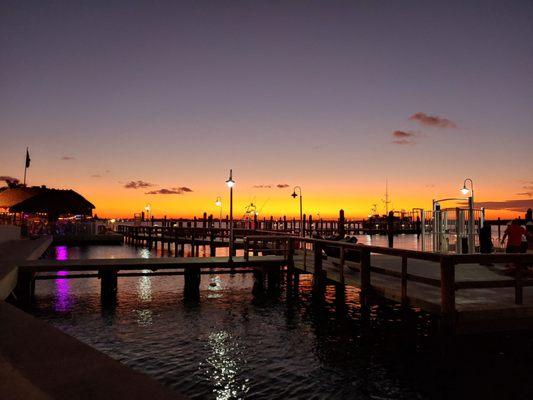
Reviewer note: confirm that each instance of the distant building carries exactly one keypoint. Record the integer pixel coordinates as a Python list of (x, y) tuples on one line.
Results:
[(42, 200)]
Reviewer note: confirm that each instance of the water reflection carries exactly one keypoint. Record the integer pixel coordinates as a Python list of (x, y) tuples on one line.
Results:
[(144, 317), (144, 287), (215, 287), (224, 366), (61, 253), (62, 290)]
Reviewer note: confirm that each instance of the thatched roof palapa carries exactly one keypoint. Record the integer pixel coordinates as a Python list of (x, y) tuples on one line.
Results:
[(53, 202)]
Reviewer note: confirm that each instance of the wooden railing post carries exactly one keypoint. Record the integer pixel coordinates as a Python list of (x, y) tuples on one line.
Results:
[(365, 271), (342, 260), (246, 254), (404, 281), (518, 290), (318, 273), (290, 255), (447, 290)]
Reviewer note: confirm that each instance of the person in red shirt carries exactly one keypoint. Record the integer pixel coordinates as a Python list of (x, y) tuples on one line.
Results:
[(514, 233)]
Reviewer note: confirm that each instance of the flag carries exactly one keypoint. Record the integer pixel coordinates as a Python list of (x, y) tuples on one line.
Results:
[(27, 158)]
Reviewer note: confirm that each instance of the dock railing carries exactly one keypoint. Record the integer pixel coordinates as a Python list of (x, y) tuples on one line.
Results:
[(310, 250)]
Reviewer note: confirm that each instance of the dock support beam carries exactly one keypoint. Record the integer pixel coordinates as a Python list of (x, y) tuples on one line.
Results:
[(192, 283), (108, 284), (25, 289)]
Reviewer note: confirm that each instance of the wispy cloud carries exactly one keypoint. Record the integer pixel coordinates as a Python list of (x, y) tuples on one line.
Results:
[(528, 194), (96, 176), (138, 185), (432, 120), (403, 134), (262, 186), (8, 179), (68, 158), (510, 205), (178, 190), (403, 137), (282, 185)]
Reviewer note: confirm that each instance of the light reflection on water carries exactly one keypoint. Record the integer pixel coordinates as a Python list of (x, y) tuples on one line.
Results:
[(223, 366), (233, 344)]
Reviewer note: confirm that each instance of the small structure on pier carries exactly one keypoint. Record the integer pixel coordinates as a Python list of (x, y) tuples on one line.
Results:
[(44, 201)]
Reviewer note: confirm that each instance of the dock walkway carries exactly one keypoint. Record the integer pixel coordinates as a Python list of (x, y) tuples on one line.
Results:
[(489, 308)]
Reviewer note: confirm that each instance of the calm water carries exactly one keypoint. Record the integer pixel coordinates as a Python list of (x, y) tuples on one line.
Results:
[(233, 344)]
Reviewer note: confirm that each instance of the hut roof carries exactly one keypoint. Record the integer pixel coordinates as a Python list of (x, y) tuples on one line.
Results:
[(53, 202)]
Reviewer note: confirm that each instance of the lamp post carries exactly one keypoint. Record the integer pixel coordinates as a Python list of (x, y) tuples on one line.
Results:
[(471, 223), (148, 209), (230, 182), (218, 203), (294, 195)]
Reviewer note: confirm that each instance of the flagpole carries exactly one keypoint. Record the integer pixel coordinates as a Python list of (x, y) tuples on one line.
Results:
[(26, 165)]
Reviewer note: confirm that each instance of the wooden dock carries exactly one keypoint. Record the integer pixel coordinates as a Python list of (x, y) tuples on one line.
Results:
[(109, 270), (464, 294)]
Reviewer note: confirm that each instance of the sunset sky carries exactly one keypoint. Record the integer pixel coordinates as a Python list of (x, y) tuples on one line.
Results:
[(119, 99)]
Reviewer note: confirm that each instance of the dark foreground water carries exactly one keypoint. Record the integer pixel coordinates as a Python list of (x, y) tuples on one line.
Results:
[(232, 344)]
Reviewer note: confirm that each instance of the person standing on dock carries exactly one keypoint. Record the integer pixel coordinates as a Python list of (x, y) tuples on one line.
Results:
[(513, 233)]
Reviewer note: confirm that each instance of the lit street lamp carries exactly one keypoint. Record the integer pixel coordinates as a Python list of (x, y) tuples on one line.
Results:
[(230, 182), (471, 223), (294, 195), (218, 203), (148, 209)]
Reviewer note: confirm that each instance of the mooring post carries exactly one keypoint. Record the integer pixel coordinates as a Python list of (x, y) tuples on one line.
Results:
[(341, 229)]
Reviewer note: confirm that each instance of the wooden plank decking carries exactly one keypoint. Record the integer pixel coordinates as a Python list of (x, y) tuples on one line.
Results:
[(476, 309)]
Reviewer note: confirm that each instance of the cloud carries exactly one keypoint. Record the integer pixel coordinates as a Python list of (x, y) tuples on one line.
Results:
[(403, 134), (178, 190), (138, 185), (432, 120), (528, 194), (262, 186), (96, 176), (8, 179), (404, 137), (68, 158), (510, 205), (282, 185)]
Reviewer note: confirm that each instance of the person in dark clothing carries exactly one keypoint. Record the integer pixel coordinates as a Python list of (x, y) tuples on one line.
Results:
[(485, 241), (529, 215), (418, 227)]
